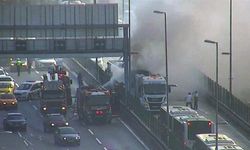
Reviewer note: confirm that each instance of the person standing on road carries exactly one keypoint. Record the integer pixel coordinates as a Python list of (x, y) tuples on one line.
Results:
[(189, 98), (196, 97), (18, 66)]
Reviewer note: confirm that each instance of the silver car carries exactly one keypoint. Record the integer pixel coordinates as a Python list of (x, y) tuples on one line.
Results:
[(28, 90)]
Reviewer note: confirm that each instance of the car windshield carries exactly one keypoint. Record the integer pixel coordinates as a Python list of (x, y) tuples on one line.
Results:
[(56, 118), (6, 79), (2, 72), (67, 131), (7, 96), (24, 86), (5, 85), (15, 117)]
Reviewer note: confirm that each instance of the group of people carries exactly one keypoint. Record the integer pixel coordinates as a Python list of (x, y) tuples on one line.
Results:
[(192, 100)]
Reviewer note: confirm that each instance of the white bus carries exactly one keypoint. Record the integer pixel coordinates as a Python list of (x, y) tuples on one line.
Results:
[(208, 142)]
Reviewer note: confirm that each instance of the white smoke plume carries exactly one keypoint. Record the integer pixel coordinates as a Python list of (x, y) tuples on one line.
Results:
[(189, 23)]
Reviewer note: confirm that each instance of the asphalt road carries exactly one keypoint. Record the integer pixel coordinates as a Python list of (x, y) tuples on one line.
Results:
[(114, 136)]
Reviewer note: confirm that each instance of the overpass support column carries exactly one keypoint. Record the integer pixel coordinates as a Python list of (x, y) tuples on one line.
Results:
[(126, 55)]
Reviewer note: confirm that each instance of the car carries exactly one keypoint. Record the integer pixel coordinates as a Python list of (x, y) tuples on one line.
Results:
[(8, 101), (15, 121), (66, 136), (52, 121), (3, 72), (44, 64), (7, 84), (28, 90)]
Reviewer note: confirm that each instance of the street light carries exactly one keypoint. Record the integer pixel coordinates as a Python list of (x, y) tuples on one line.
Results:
[(217, 102), (166, 55)]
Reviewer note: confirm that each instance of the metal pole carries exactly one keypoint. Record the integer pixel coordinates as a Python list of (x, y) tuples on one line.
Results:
[(166, 55), (230, 49), (217, 103)]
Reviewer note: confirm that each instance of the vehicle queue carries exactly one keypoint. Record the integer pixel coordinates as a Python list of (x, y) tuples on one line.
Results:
[(187, 129)]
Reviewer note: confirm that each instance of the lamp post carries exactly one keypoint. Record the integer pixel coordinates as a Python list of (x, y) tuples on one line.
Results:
[(166, 57), (230, 49), (217, 103)]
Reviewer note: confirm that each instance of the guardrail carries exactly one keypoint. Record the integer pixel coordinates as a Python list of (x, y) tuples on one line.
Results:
[(236, 109)]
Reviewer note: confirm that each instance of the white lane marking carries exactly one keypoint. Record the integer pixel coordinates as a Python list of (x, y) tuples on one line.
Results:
[(19, 134), (26, 143), (84, 69), (37, 71), (91, 131), (98, 141), (142, 143), (17, 85), (105, 148), (65, 65), (34, 107)]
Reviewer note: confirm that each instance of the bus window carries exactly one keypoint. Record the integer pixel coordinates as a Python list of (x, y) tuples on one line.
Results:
[(198, 127)]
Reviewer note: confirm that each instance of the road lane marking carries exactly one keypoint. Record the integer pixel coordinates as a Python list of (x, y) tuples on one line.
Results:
[(74, 74), (130, 130), (98, 141), (26, 143), (91, 131), (105, 148), (65, 65), (37, 71), (85, 69), (19, 134), (34, 107)]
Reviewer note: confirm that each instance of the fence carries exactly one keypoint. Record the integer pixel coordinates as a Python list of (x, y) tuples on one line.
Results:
[(238, 110)]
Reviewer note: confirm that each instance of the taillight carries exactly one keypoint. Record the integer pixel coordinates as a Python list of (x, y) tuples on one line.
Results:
[(99, 112)]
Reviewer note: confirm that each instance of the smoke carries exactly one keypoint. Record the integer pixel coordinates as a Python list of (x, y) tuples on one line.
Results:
[(189, 23)]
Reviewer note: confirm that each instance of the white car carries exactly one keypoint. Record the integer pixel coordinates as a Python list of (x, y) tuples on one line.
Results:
[(3, 72), (44, 64), (28, 90)]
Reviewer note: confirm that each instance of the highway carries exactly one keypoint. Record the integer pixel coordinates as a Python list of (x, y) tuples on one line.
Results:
[(114, 136)]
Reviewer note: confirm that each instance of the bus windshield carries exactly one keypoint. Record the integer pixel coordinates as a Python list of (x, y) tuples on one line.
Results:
[(198, 127), (154, 89)]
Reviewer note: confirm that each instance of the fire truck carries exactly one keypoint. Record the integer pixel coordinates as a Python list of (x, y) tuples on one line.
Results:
[(150, 89), (63, 75), (53, 95), (93, 104)]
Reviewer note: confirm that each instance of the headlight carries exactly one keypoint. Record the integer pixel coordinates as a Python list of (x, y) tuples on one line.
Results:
[(64, 138), (52, 124), (66, 123), (12, 64), (78, 137), (44, 108), (4, 103), (13, 103), (63, 108)]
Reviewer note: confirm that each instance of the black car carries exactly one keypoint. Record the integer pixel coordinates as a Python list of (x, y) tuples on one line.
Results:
[(52, 121), (15, 121), (66, 136)]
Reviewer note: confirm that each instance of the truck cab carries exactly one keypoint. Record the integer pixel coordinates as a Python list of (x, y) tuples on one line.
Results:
[(151, 91)]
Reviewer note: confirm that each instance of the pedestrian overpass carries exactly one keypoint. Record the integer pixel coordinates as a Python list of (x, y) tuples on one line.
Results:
[(90, 30)]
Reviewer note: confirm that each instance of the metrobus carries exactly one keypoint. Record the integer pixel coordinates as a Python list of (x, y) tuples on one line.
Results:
[(208, 142), (184, 124)]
